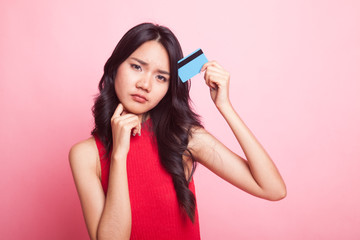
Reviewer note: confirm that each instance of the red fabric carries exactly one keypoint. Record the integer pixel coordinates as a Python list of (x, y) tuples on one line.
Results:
[(154, 207)]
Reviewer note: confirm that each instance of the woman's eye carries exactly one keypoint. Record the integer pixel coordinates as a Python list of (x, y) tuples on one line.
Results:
[(162, 78), (136, 67)]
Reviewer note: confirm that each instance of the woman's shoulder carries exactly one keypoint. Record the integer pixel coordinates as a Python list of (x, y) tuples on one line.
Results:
[(84, 155)]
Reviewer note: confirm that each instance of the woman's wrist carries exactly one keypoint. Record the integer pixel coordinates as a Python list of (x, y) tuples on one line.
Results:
[(225, 108), (118, 157)]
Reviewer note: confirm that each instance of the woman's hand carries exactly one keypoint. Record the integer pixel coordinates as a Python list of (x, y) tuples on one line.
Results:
[(123, 124), (217, 78)]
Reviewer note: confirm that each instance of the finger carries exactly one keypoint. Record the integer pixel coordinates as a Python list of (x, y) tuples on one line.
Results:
[(136, 126), (119, 109), (210, 83), (205, 66), (129, 123), (123, 120), (210, 63), (207, 78), (220, 74), (216, 80), (211, 76), (127, 116), (216, 64), (216, 69), (139, 127), (124, 112)]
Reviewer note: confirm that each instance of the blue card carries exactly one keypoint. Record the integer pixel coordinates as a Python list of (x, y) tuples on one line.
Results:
[(191, 65)]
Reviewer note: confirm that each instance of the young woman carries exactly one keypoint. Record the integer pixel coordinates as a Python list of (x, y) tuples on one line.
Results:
[(134, 175)]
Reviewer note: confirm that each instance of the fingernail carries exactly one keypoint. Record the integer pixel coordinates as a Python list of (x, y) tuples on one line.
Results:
[(134, 134), (139, 134)]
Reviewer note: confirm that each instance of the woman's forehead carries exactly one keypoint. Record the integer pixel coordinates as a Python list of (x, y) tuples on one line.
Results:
[(152, 53)]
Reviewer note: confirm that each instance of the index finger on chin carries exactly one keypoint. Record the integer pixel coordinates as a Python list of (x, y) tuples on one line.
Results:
[(119, 109)]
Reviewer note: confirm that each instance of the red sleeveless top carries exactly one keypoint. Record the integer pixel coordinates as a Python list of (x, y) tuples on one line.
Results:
[(155, 211)]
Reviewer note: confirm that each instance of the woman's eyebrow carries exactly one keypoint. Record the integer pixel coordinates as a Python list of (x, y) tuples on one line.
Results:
[(146, 64), (140, 61), (164, 72)]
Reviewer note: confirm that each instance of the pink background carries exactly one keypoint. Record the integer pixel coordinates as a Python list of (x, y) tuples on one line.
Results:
[(295, 68)]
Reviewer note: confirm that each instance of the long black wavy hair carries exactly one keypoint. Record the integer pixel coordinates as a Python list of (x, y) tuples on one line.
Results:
[(172, 119)]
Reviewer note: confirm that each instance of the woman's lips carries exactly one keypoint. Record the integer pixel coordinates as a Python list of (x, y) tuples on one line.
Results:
[(138, 98)]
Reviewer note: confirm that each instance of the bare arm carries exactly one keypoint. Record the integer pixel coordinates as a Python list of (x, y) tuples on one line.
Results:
[(110, 217), (257, 174), (86, 172)]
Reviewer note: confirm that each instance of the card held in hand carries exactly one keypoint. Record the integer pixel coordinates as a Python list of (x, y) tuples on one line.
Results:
[(191, 65)]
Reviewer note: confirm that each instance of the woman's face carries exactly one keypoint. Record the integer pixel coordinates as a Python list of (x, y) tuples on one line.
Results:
[(142, 80)]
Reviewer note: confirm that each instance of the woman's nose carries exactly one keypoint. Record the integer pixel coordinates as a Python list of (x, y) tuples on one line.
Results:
[(145, 83)]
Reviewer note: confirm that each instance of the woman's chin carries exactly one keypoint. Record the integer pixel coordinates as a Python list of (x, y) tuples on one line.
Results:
[(133, 110)]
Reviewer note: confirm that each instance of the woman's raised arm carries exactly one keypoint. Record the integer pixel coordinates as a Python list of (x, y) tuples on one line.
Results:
[(257, 174)]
